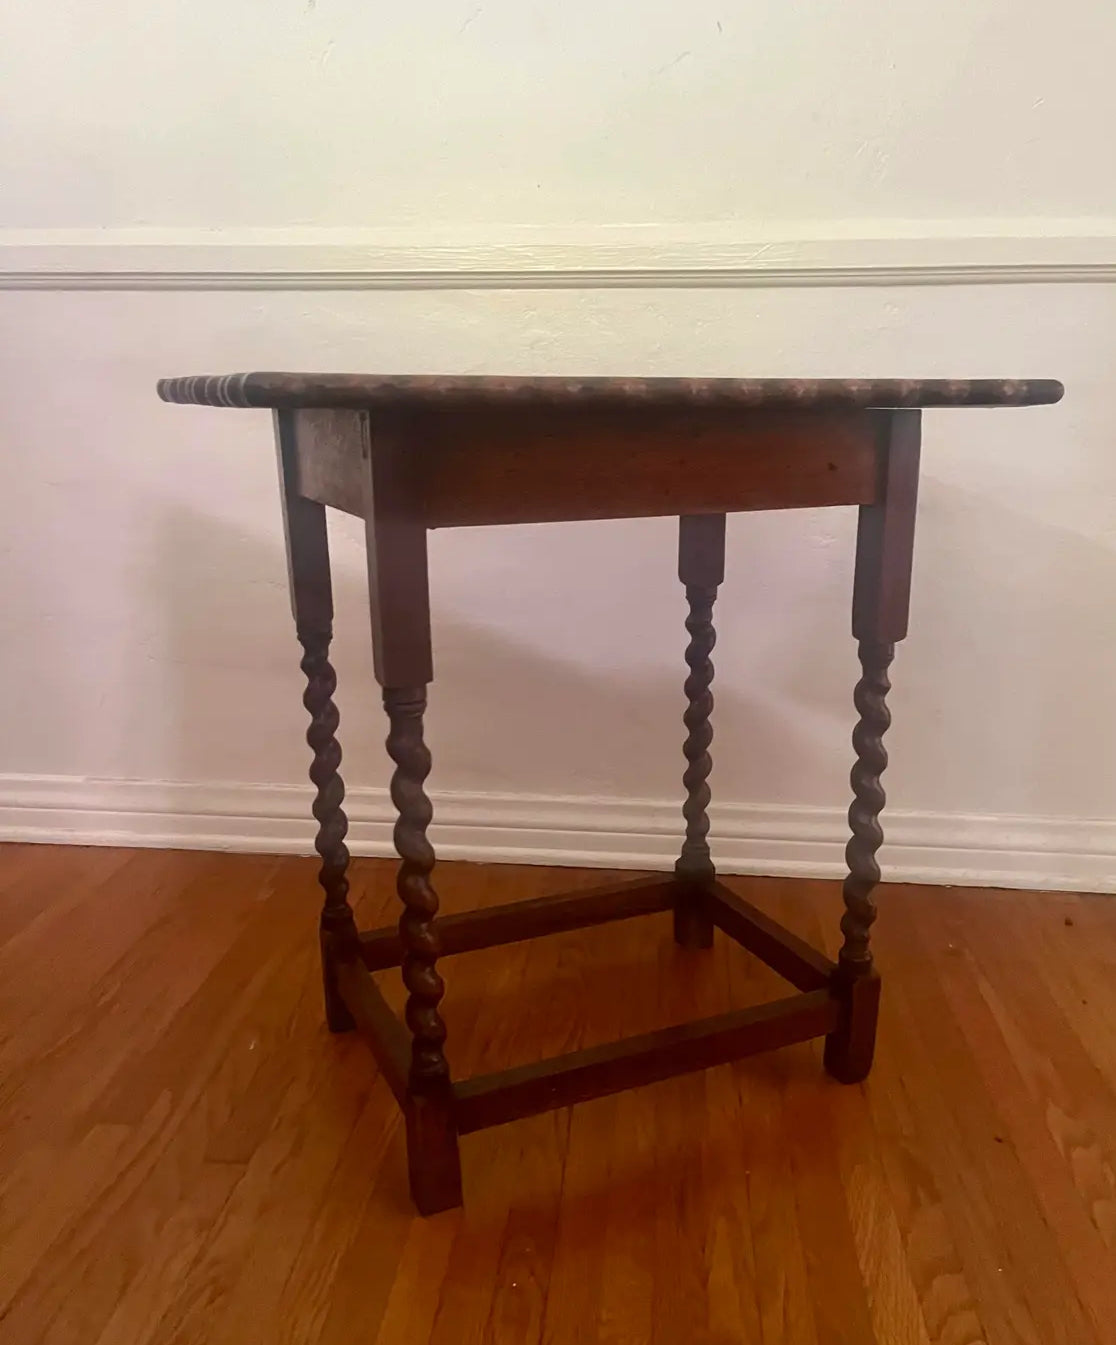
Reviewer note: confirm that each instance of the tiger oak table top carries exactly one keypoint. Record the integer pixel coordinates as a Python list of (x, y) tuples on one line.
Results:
[(361, 391)]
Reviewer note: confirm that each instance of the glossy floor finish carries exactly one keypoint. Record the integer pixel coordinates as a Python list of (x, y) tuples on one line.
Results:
[(187, 1156)]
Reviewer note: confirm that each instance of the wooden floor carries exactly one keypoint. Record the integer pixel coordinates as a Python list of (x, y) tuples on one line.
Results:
[(187, 1156)]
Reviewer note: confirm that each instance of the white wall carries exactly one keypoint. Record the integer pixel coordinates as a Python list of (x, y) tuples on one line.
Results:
[(498, 112), (924, 182)]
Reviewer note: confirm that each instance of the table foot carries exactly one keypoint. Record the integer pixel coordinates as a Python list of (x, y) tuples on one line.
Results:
[(850, 1048), (433, 1160)]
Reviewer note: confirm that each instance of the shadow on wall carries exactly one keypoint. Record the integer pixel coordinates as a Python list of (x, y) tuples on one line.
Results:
[(504, 715), (1008, 674), (1000, 688)]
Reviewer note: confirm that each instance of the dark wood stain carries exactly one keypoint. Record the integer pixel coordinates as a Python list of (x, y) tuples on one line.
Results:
[(408, 454), (518, 920), (367, 390), (701, 568), (531, 464), (498, 1098), (537, 464), (378, 1024), (307, 544)]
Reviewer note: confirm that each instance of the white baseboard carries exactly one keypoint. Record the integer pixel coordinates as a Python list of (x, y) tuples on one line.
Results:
[(715, 255), (1026, 852)]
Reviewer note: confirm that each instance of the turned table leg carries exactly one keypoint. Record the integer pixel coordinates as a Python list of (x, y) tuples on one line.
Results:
[(337, 929), (400, 608), (435, 1167), (312, 604), (849, 1050), (881, 601), (701, 567)]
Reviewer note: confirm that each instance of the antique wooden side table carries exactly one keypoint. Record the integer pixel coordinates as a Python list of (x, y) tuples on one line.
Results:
[(409, 454)]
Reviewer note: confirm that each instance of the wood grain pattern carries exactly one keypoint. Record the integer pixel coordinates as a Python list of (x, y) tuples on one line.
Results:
[(885, 533), (186, 1155), (494, 925), (382, 1028), (401, 390), (398, 568), (493, 1099), (546, 464), (631, 1062), (329, 448), (466, 465)]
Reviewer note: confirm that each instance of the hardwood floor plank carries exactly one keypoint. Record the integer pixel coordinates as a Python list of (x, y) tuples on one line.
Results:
[(1060, 1115), (499, 1272), (763, 1174), (48, 968), (678, 1179), (949, 1307), (330, 1288), (538, 1152), (894, 1301), (315, 1105), (838, 1292), (356, 1294), (730, 1153), (187, 1156), (424, 1261), (168, 1243), (621, 1219), (1078, 971), (988, 1192), (39, 883), (106, 1240), (128, 1008), (41, 1197)]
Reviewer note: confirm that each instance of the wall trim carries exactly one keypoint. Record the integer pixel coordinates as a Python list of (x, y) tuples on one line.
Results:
[(719, 255), (1025, 852)]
